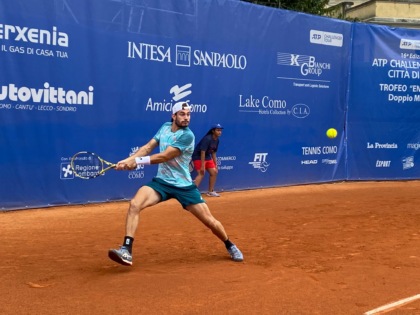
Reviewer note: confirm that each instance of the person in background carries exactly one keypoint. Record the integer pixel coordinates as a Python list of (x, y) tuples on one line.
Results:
[(173, 180), (205, 159)]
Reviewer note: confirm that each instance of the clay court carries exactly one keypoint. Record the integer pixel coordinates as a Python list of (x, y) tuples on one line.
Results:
[(340, 248)]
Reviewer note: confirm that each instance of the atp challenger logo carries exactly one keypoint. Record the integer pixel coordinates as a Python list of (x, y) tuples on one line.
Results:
[(260, 162), (308, 65)]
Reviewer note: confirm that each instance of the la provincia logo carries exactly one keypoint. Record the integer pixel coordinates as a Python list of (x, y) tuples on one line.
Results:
[(185, 56), (179, 94)]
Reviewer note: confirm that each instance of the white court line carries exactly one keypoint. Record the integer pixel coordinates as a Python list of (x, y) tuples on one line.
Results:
[(391, 306)]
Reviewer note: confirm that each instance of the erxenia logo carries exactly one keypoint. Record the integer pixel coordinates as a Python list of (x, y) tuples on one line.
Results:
[(34, 35)]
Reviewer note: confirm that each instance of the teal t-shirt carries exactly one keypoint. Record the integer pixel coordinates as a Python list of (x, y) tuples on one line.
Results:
[(176, 171)]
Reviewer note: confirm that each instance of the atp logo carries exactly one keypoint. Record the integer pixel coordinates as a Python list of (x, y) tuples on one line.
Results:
[(65, 171), (260, 162)]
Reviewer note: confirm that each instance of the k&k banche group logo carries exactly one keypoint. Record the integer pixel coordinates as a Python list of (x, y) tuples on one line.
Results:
[(307, 65), (186, 56)]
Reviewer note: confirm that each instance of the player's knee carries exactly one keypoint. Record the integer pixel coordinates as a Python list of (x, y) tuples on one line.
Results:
[(135, 206)]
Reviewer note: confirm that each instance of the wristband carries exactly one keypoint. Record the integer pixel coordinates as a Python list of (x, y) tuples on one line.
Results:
[(144, 160)]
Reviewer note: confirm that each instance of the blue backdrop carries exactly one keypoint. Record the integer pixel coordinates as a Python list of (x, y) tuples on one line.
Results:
[(102, 76)]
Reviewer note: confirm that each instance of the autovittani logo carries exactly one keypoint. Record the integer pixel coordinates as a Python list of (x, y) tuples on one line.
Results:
[(26, 40), (48, 98), (185, 56)]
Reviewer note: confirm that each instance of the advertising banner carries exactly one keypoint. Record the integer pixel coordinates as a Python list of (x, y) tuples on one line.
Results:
[(383, 127), (103, 75)]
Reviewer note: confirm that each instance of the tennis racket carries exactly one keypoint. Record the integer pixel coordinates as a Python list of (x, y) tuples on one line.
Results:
[(88, 165)]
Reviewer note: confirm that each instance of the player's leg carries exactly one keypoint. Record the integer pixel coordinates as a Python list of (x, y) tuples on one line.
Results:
[(145, 197), (202, 212)]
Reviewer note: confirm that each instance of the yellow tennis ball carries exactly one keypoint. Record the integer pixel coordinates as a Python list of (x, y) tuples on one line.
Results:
[(331, 133)]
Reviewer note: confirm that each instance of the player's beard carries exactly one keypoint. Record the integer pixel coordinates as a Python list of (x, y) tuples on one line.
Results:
[(182, 124)]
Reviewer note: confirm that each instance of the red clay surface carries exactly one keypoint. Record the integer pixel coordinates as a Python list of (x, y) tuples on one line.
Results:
[(342, 248)]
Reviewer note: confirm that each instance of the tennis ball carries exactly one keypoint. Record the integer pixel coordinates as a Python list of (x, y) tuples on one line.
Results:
[(331, 133)]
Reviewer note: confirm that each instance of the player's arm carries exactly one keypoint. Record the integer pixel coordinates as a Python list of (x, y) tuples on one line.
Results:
[(130, 162)]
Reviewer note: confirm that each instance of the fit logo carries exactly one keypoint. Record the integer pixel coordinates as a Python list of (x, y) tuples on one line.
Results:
[(260, 162)]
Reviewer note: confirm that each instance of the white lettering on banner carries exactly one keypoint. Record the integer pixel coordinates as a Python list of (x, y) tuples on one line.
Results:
[(260, 162), (414, 146), (149, 52), (319, 150), (409, 44), (408, 162), (378, 145), (307, 64), (380, 163), (48, 94), (160, 53), (215, 59), (179, 93), (34, 35)]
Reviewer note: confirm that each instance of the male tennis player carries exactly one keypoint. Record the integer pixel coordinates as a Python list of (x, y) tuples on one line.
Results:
[(173, 180)]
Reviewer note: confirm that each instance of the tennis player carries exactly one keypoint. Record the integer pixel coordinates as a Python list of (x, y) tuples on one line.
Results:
[(173, 180), (205, 159)]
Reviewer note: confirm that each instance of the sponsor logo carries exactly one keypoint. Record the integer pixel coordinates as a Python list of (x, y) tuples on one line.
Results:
[(326, 38), (327, 161), (309, 162), (260, 162), (409, 44), (180, 93), (378, 145), (265, 105), (33, 35), (382, 164), (408, 162), (414, 146), (319, 150), (301, 111), (48, 98), (308, 65), (65, 171), (185, 56), (225, 159)]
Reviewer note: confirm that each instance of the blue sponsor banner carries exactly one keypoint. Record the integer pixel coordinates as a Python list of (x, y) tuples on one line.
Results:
[(103, 75), (384, 108)]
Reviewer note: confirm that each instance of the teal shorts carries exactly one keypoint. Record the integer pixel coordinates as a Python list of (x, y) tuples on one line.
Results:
[(189, 195)]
